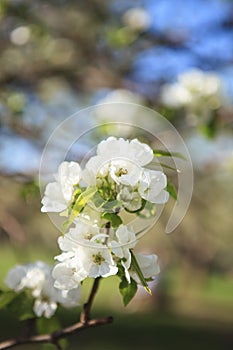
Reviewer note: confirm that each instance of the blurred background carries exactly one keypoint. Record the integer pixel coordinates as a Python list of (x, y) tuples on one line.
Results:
[(60, 56)]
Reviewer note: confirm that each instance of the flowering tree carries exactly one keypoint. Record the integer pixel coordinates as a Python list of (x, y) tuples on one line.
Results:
[(96, 241)]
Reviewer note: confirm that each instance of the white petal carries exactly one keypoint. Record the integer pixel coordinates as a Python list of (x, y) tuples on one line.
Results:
[(53, 201), (161, 198), (15, 276), (69, 172), (141, 151)]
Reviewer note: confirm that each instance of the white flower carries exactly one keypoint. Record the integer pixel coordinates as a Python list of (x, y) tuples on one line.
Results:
[(121, 158), (15, 276), (38, 279), (194, 89), (148, 265), (98, 261), (124, 172), (88, 261), (152, 186), (137, 19), (43, 307), (82, 233), (30, 276), (58, 194), (175, 95), (130, 198), (126, 240), (68, 274)]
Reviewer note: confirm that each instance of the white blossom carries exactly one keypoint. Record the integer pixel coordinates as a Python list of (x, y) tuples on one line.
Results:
[(82, 233), (148, 265), (58, 195), (194, 89), (130, 198), (152, 186), (126, 240), (69, 273), (38, 279), (137, 19), (121, 158), (87, 261), (98, 261)]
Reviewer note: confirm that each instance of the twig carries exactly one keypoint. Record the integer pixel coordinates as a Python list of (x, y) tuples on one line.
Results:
[(85, 315), (54, 337)]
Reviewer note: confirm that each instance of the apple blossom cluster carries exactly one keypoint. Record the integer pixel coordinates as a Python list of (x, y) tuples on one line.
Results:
[(95, 241), (37, 279), (117, 174), (194, 89)]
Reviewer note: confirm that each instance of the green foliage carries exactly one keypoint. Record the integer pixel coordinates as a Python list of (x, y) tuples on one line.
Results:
[(171, 190), (30, 191), (78, 206), (114, 219), (6, 298), (161, 153), (127, 290), (22, 306), (139, 273), (211, 127), (138, 210), (19, 304)]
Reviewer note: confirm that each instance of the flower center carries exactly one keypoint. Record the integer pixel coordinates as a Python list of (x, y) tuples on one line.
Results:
[(121, 171), (98, 258)]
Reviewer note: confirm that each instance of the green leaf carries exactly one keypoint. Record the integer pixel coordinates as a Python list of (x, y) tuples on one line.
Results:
[(171, 190), (138, 210), (210, 129), (114, 219), (127, 290), (165, 166), (78, 206), (6, 298), (148, 212), (22, 306), (139, 273), (161, 153), (112, 205)]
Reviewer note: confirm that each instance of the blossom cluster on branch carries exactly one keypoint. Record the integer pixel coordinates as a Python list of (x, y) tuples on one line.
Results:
[(96, 241)]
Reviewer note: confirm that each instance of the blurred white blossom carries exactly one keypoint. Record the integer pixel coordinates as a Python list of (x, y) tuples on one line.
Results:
[(194, 89), (137, 19), (38, 279)]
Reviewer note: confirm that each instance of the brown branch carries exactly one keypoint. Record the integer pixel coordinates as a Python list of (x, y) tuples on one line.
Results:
[(57, 335), (85, 315), (54, 337)]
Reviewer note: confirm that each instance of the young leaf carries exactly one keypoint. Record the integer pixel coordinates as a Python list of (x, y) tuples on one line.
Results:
[(6, 298), (171, 190), (138, 210), (166, 166), (138, 271), (22, 306), (127, 290), (114, 219), (78, 206), (161, 153)]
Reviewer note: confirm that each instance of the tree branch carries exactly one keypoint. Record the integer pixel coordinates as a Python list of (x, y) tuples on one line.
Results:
[(54, 337), (57, 335), (85, 315)]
